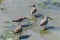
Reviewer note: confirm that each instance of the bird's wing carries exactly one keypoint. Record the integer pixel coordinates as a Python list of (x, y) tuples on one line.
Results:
[(43, 21)]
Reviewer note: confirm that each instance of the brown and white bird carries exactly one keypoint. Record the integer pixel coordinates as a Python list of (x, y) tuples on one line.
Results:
[(44, 22), (20, 19), (33, 9), (18, 30)]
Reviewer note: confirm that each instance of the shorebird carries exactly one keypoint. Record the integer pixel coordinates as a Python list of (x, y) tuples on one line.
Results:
[(33, 9), (18, 30), (19, 19), (44, 22)]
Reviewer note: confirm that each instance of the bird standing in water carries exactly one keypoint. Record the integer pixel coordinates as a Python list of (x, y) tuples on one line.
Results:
[(18, 30), (33, 9), (44, 22)]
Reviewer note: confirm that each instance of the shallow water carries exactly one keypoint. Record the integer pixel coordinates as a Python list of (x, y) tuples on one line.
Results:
[(16, 8)]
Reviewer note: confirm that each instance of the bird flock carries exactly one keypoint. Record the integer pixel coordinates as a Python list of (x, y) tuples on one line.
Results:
[(43, 22)]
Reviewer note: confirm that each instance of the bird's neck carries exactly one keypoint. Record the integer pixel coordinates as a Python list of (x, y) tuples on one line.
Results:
[(46, 18)]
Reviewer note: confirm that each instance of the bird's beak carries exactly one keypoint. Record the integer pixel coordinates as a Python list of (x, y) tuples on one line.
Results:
[(50, 18)]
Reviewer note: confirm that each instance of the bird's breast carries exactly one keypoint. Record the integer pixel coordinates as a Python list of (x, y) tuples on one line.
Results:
[(43, 21), (33, 9)]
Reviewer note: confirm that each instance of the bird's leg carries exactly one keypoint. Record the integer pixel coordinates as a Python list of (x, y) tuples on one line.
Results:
[(20, 34), (45, 27)]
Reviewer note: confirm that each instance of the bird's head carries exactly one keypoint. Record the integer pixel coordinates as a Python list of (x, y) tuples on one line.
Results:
[(33, 5), (25, 17), (47, 17)]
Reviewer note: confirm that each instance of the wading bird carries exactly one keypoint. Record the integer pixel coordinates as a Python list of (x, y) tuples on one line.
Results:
[(18, 30), (19, 19), (44, 22), (33, 9)]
